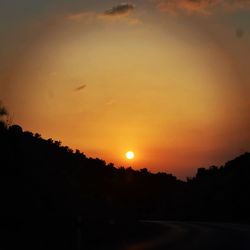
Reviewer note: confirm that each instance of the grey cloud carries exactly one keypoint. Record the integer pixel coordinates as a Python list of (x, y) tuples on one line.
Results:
[(121, 9), (81, 87)]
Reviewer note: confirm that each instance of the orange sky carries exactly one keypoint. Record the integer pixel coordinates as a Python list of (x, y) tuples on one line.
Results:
[(172, 87)]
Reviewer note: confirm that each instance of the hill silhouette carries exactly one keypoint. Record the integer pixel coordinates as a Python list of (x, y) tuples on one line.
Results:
[(41, 178)]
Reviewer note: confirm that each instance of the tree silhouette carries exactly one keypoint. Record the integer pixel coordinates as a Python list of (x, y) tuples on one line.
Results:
[(3, 110), (41, 178)]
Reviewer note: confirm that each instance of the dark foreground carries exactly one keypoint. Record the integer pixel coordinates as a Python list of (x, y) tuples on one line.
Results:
[(73, 233), (200, 236), (55, 233)]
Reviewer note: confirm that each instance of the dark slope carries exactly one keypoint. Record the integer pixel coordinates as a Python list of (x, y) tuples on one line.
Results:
[(40, 176), (222, 193)]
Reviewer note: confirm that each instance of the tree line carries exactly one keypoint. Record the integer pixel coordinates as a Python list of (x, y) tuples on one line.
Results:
[(42, 176)]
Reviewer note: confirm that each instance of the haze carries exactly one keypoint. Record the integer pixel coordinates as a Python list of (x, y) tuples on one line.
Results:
[(168, 80)]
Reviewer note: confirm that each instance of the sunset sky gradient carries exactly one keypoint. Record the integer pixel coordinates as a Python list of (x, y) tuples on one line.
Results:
[(167, 79)]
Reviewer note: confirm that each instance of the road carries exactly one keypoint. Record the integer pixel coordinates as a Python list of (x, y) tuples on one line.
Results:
[(197, 236)]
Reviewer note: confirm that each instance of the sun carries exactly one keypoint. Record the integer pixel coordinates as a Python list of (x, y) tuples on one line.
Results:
[(130, 155)]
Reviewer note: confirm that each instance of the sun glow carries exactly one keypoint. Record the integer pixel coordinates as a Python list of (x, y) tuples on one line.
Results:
[(130, 155)]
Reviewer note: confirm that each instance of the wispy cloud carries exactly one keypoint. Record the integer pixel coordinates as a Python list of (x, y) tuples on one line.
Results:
[(120, 10), (205, 7), (79, 88)]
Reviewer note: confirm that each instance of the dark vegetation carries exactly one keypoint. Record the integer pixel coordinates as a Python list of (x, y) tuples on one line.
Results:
[(41, 179), (41, 176)]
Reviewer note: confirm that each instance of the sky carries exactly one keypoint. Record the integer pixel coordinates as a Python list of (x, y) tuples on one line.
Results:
[(166, 79)]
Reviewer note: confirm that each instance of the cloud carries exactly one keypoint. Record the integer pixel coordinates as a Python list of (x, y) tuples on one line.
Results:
[(81, 87), (205, 7), (120, 10)]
